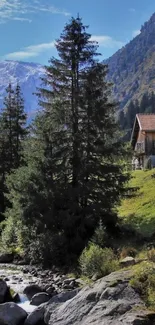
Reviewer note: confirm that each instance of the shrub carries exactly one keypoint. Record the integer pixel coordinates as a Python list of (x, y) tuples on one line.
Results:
[(100, 236), (97, 260), (151, 254), (143, 281), (128, 251)]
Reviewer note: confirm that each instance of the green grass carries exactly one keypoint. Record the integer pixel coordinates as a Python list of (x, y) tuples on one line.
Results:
[(139, 211)]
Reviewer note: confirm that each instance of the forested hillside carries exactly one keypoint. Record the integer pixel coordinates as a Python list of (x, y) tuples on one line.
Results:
[(132, 69)]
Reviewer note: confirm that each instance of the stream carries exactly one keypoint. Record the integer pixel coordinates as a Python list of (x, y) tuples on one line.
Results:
[(25, 304), (17, 280)]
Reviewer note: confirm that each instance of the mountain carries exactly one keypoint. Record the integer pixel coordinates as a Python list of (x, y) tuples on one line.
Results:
[(28, 75), (132, 68)]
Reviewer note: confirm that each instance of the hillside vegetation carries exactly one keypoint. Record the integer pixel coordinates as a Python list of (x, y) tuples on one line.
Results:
[(139, 210), (132, 69)]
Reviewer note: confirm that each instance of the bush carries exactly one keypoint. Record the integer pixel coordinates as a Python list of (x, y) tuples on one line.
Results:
[(100, 236), (128, 251), (10, 236), (143, 282), (97, 260), (151, 254)]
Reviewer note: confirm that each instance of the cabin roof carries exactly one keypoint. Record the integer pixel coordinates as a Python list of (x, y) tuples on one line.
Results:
[(143, 122), (146, 122)]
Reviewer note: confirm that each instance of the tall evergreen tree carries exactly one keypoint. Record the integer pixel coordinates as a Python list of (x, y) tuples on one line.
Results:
[(13, 128), (12, 133), (20, 129), (79, 177)]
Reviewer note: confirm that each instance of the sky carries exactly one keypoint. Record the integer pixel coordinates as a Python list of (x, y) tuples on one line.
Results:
[(28, 28)]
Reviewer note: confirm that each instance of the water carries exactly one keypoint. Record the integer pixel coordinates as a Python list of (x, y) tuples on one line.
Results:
[(18, 281), (25, 304)]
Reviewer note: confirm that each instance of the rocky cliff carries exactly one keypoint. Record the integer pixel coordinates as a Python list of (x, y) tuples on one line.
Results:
[(132, 69)]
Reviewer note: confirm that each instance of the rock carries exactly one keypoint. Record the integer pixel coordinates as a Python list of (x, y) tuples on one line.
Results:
[(63, 296), (109, 301), (16, 297), (80, 282), (39, 298), (67, 287), (25, 270), (95, 277), (128, 261), (68, 281), (6, 258), (36, 317), (11, 314), (31, 290), (3, 290), (50, 290)]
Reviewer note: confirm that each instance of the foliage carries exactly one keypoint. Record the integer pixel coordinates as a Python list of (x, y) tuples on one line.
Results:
[(128, 251), (13, 132), (100, 236), (151, 254), (138, 210), (97, 260), (143, 281), (74, 173)]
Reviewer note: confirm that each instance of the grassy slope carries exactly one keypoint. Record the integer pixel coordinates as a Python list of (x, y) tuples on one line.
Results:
[(139, 211)]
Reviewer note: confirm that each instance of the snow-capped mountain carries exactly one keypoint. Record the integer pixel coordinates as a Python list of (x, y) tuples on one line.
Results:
[(28, 76)]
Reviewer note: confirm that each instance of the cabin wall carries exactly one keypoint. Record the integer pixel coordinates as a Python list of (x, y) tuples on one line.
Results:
[(141, 136), (150, 143)]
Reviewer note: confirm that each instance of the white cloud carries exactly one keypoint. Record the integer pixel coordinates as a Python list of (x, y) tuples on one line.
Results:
[(20, 9), (136, 32), (22, 19), (29, 51), (107, 41), (35, 50)]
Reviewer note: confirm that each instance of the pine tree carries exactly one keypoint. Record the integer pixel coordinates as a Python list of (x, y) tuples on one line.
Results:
[(81, 134), (144, 103), (101, 172), (79, 177), (13, 128), (12, 133), (20, 128)]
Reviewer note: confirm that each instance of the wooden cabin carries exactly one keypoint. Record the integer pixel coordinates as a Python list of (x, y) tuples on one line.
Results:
[(143, 141)]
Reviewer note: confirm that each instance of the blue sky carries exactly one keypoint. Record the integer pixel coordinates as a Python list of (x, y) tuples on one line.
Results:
[(28, 28)]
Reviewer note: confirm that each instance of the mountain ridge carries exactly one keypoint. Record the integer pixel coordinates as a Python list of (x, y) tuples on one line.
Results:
[(28, 74), (132, 68)]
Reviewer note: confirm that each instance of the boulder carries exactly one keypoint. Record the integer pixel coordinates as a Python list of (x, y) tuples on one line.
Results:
[(6, 258), (16, 297), (36, 317), (32, 290), (128, 261), (3, 290), (69, 280), (63, 296), (50, 290), (109, 301), (39, 298), (11, 314)]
